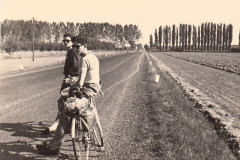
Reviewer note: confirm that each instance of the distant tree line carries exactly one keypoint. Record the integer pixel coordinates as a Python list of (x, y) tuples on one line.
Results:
[(206, 37), (17, 35)]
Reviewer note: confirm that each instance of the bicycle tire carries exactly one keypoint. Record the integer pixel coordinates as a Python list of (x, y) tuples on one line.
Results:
[(97, 138), (80, 144)]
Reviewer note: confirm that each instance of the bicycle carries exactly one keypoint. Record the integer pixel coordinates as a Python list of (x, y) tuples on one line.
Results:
[(84, 136)]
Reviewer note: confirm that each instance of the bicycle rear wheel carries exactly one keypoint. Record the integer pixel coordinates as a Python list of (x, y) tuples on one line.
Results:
[(80, 141)]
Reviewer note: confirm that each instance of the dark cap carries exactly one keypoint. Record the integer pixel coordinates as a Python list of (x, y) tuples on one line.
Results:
[(80, 39), (67, 35)]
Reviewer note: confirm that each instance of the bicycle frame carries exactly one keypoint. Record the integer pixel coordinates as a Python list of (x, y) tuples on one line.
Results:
[(83, 135)]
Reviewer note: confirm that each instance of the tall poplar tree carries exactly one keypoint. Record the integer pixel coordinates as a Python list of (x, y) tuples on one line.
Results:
[(177, 38), (181, 36), (199, 37), (156, 39), (220, 37), (160, 37), (186, 36), (194, 38), (214, 37), (227, 37), (166, 38), (211, 36), (208, 36), (202, 37), (230, 35), (173, 36), (217, 41), (169, 36), (205, 36), (224, 37), (151, 41), (189, 37)]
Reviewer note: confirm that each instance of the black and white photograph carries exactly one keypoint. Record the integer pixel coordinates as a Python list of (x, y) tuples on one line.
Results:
[(120, 80)]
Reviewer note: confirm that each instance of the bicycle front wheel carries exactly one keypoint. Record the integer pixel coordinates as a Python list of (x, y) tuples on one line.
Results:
[(79, 141)]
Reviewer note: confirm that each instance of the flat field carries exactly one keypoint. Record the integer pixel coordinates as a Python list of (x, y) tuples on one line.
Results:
[(214, 91), (224, 61)]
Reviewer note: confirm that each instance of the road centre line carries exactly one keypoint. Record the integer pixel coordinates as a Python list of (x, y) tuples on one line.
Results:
[(23, 100), (20, 101), (137, 69), (116, 65)]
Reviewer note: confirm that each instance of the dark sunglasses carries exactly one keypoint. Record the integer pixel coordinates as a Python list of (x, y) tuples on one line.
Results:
[(76, 46), (64, 41)]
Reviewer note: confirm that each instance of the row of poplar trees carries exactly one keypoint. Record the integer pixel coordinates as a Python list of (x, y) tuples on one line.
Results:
[(206, 37), (18, 34)]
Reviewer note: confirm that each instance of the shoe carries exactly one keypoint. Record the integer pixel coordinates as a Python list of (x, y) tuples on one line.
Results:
[(41, 146), (47, 131), (48, 151)]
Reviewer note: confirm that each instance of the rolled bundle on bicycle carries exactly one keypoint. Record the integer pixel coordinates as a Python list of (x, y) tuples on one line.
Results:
[(80, 107)]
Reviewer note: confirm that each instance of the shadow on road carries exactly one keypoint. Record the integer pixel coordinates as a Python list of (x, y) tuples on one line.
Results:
[(16, 151), (27, 129), (18, 140)]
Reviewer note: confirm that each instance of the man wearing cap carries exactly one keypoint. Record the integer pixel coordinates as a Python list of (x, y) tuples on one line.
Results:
[(89, 82)]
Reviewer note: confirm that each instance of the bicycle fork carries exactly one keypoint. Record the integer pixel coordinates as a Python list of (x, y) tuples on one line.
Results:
[(73, 126)]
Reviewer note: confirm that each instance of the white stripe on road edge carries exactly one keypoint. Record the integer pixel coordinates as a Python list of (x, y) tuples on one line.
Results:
[(117, 65)]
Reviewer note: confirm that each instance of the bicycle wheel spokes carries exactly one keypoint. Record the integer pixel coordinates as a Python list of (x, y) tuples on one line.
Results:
[(81, 146), (80, 141)]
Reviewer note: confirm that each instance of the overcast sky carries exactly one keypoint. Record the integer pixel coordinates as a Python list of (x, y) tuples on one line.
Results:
[(148, 15)]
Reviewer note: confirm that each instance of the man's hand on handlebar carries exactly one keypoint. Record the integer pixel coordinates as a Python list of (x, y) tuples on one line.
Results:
[(70, 80)]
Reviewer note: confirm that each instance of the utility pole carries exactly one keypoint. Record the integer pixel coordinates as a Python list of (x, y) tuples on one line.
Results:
[(33, 25)]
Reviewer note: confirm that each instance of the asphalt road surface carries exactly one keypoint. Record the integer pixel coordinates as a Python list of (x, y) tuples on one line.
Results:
[(132, 112), (28, 104)]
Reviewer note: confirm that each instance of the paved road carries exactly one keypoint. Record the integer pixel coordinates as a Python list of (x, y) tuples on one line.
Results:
[(28, 103), (136, 115)]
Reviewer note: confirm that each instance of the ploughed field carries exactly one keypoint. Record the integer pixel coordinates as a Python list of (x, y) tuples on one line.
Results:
[(141, 119), (224, 61), (214, 92)]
